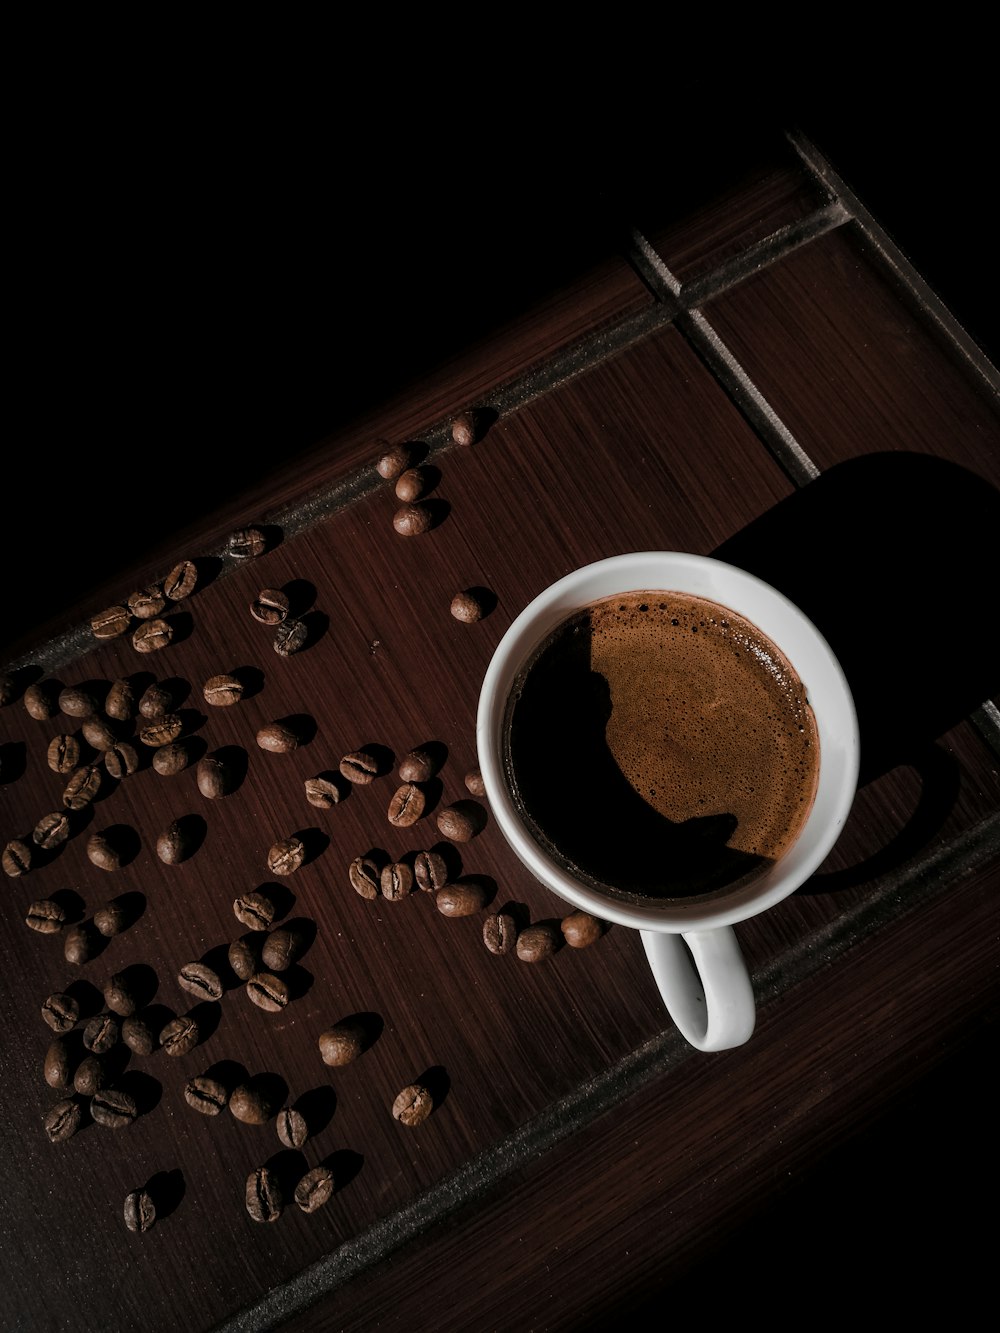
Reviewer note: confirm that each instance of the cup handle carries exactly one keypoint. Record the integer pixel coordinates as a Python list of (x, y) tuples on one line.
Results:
[(705, 986)]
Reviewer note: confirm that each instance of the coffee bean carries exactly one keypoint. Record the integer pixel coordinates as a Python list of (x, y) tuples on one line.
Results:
[(419, 765), (112, 919), (293, 1131), (222, 690), (82, 787), (413, 1105), (138, 1036), (215, 777), (63, 1119), (461, 821), (17, 857), (365, 877), (113, 1108), (45, 916), (244, 955), (580, 929), (98, 733), (51, 830), (139, 1211), (61, 1011), (75, 701), (252, 1103), (175, 844), (322, 792), (206, 1095), (156, 700), (393, 461), (413, 483), (430, 871), (396, 881), (201, 980), (282, 948), (410, 520), (407, 805), (110, 623), (102, 852), (80, 943), (40, 700), (152, 635), (268, 992), (181, 581), (278, 738), (500, 932), (270, 606), (359, 767), (180, 1036), (463, 898), (101, 1033), (465, 428), (247, 543), (120, 701), (314, 1189), (290, 637), (474, 782), (63, 754), (538, 942), (147, 603), (90, 1076), (163, 730), (121, 759), (466, 607), (171, 759), (264, 1199), (342, 1043), (286, 856), (57, 1066), (254, 910)]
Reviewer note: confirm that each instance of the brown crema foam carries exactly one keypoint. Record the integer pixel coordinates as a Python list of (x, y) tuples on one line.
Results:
[(660, 745)]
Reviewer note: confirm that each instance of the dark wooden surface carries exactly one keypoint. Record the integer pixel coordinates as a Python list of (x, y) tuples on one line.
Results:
[(812, 415)]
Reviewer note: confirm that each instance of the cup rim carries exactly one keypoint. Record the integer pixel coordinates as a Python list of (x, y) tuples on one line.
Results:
[(813, 660)]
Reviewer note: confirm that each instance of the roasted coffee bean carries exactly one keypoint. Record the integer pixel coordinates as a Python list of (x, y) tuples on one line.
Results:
[(139, 1211), (110, 623), (201, 980), (102, 852), (82, 787), (222, 690), (430, 871), (413, 483), (286, 856), (120, 702), (264, 1199), (461, 821), (121, 759), (51, 830), (45, 916), (181, 581), (254, 910), (365, 877), (138, 1036), (90, 1076), (99, 734), (63, 754), (180, 1036), (215, 777), (290, 637), (171, 759), (462, 898), (156, 700), (113, 1108), (268, 992), (147, 603), (206, 1095), (465, 428), (410, 520), (467, 607), (61, 1011), (175, 843), (359, 767), (293, 1131), (75, 701), (278, 738), (152, 635), (101, 1033), (315, 1189), (580, 929), (252, 1103), (538, 942), (80, 943), (393, 461), (247, 543), (500, 932), (63, 1119), (17, 857), (407, 805), (119, 995), (244, 955), (396, 881), (342, 1043), (111, 919), (163, 730), (282, 947), (40, 700), (413, 1105), (57, 1067), (474, 782), (419, 765), (322, 792), (270, 606)]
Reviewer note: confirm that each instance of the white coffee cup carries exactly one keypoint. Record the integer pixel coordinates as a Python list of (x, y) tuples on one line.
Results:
[(691, 948)]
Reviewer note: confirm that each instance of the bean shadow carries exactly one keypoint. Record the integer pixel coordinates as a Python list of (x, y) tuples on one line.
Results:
[(317, 1106), (166, 1189), (346, 1166)]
